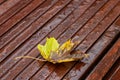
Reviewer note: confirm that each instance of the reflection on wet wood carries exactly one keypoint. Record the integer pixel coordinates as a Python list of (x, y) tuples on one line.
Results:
[(106, 62)]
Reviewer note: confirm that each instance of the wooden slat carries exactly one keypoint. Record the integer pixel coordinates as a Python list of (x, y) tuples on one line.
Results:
[(80, 69), (82, 36), (40, 19), (106, 63), (2, 1), (116, 75), (48, 11), (62, 14), (41, 70), (72, 29), (59, 29), (96, 23), (38, 36), (16, 8), (15, 19), (68, 35), (61, 69), (112, 30), (7, 5), (7, 50), (112, 71), (25, 23), (94, 52)]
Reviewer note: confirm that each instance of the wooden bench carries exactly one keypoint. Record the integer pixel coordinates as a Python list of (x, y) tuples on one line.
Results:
[(26, 23)]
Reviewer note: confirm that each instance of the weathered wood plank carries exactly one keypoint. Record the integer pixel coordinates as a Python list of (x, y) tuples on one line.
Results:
[(16, 8), (15, 19), (63, 14), (95, 23), (94, 52), (112, 71), (44, 29), (2, 1), (25, 23), (59, 29), (7, 5), (83, 19), (7, 50), (106, 63), (79, 37), (116, 75), (80, 69), (38, 76)]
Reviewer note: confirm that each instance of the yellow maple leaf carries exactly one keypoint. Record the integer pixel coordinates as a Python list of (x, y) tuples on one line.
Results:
[(53, 52)]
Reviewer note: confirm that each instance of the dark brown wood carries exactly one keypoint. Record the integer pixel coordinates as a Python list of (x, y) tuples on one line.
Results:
[(106, 63), (2, 1), (23, 50), (40, 37), (112, 71), (116, 75), (15, 19), (73, 29), (32, 29), (81, 36), (67, 36), (95, 23), (7, 5), (59, 29), (16, 8), (37, 76), (25, 23), (64, 10), (97, 50)]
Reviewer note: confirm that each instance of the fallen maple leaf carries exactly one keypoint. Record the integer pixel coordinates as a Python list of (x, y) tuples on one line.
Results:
[(53, 52)]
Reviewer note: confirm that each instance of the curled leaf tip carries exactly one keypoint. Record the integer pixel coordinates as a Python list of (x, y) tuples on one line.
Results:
[(87, 55)]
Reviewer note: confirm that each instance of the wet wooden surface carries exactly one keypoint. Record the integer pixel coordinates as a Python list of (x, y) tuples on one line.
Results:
[(26, 23)]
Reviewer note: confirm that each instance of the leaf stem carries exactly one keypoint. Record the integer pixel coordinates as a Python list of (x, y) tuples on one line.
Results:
[(30, 58)]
